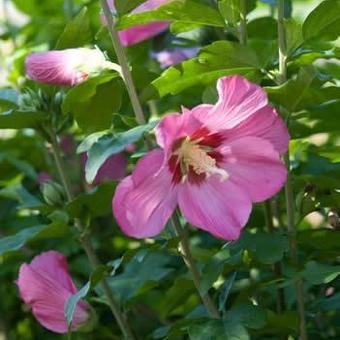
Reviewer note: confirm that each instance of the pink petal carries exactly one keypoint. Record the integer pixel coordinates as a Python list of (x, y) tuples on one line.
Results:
[(174, 56), (238, 99), (221, 208), (266, 124), (144, 201), (254, 165), (139, 33), (65, 67), (54, 265), (45, 286), (173, 127)]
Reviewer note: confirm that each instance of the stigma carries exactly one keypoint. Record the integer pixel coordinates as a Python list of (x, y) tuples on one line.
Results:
[(191, 154)]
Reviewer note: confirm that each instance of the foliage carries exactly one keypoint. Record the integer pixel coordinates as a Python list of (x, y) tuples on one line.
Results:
[(148, 277)]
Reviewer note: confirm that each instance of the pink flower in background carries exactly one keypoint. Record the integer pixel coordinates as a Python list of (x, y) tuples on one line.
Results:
[(44, 177), (45, 285), (174, 56), (65, 67), (214, 162), (139, 33), (114, 168)]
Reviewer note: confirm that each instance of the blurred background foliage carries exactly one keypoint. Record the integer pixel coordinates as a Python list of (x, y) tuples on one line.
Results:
[(149, 278)]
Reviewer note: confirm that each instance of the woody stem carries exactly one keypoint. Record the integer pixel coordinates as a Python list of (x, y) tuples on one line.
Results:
[(289, 194), (140, 117)]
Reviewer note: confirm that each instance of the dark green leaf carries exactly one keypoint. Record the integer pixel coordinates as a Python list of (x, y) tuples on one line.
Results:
[(14, 119), (317, 273), (126, 6)]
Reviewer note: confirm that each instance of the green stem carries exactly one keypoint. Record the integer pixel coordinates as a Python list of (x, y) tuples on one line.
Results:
[(289, 194), (190, 263), (277, 267), (68, 7), (87, 244), (122, 59), (243, 22)]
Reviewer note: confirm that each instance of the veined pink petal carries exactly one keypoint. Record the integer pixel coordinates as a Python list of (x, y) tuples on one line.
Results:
[(238, 100), (139, 33), (255, 166), (266, 124), (64, 67), (45, 286), (144, 201), (219, 207)]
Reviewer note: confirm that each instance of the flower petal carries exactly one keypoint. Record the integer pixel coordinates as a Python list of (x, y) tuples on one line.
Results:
[(144, 201), (47, 297), (221, 208), (266, 124), (253, 164), (238, 99)]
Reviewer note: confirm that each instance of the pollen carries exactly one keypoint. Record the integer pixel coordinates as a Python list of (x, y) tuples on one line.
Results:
[(191, 154)]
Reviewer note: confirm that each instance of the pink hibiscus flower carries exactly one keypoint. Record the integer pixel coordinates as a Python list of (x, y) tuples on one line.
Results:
[(139, 33), (214, 162), (65, 67), (45, 285)]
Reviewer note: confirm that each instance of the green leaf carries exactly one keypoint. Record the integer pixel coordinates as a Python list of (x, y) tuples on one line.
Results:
[(77, 32), (8, 99), (323, 22), (126, 6), (187, 11), (318, 273), (143, 270), (89, 103), (15, 119), (320, 239), (15, 242), (230, 10), (293, 33), (71, 303), (219, 59), (110, 144), (218, 330), (250, 316), (96, 202), (225, 290)]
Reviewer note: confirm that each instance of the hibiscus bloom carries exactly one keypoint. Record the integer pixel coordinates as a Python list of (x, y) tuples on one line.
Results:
[(175, 56), (139, 33), (45, 285), (65, 67), (213, 162)]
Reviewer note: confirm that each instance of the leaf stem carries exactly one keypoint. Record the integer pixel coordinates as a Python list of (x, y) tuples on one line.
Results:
[(289, 194), (243, 22), (141, 120), (86, 242), (190, 263)]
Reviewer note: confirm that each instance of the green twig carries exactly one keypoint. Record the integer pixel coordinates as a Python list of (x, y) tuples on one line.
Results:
[(243, 22), (288, 186), (122, 59)]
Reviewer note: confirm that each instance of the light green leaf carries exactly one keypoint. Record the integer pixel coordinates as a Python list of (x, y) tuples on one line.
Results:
[(323, 22), (186, 11), (15, 119), (77, 32), (110, 144)]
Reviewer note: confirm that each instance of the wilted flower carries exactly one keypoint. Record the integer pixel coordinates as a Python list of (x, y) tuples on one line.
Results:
[(139, 33), (45, 285), (174, 56), (65, 67), (214, 161)]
